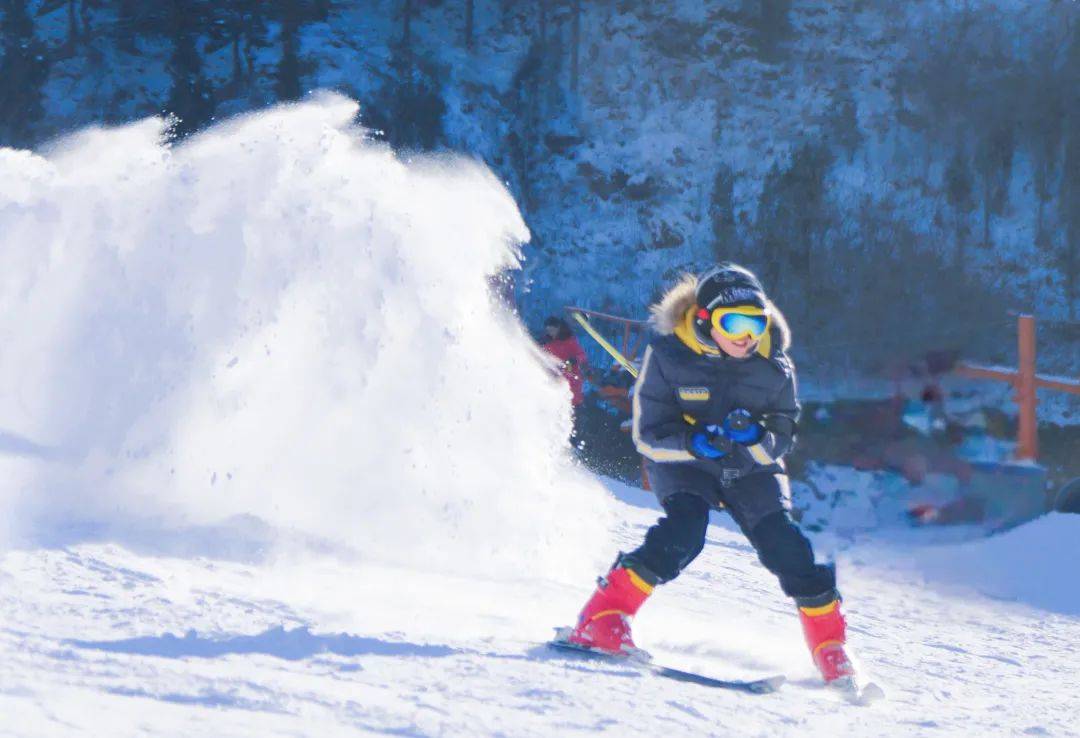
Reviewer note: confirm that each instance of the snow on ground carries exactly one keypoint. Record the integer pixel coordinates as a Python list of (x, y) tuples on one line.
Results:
[(273, 463), (100, 640)]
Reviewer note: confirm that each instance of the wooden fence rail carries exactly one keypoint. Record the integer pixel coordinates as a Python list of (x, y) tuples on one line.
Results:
[(1026, 382)]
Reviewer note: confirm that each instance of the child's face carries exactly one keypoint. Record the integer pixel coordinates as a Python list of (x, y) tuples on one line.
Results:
[(551, 330), (739, 349)]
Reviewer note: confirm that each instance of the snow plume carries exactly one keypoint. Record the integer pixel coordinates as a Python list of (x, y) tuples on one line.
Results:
[(281, 319)]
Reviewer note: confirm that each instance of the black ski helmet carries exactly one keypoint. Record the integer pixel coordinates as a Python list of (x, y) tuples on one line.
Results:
[(725, 285)]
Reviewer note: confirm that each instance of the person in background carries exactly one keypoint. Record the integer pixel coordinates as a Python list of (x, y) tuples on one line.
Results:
[(559, 341)]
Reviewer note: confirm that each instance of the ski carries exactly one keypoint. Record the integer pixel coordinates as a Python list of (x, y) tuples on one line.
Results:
[(642, 660)]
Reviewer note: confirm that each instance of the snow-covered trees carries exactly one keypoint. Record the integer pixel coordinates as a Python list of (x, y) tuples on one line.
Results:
[(24, 67), (634, 127)]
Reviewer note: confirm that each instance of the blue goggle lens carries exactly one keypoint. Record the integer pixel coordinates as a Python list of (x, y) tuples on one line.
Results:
[(736, 324)]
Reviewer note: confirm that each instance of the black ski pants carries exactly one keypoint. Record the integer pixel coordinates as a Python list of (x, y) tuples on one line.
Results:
[(679, 536)]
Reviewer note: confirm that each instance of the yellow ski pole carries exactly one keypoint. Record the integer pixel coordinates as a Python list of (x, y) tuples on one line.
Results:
[(615, 354)]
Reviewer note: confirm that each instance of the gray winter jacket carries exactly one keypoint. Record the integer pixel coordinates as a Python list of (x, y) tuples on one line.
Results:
[(681, 378)]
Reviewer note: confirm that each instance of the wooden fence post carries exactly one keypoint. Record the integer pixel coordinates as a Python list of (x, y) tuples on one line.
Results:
[(1027, 433)]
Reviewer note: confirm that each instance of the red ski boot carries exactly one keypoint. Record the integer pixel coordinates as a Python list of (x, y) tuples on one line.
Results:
[(825, 635), (604, 623)]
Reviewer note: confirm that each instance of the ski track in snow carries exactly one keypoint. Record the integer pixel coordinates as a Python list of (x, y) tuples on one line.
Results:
[(98, 640)]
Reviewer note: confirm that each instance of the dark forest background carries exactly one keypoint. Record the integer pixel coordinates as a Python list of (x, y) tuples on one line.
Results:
[(903, 175)]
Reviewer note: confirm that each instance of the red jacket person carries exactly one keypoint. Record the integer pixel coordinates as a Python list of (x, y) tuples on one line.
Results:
[(560, 342)]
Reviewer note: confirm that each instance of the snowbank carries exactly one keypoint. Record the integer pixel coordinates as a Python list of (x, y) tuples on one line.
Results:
[(1034, 563), (282, 319)]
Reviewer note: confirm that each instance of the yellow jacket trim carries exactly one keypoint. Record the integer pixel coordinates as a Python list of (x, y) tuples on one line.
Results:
[(650, 452), (760, 455), (685, 333)]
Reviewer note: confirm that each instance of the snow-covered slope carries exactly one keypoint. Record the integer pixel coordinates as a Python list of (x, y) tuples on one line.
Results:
[(99, 640), (273, 463)]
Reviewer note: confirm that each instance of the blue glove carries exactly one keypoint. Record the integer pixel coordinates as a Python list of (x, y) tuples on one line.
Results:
[(705, 445), (740, 427)]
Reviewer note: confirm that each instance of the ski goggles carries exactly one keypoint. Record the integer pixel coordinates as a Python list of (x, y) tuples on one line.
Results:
[(741, 322)]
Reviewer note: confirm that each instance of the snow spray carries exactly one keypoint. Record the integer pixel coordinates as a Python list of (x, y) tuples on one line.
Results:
[(280, 318)]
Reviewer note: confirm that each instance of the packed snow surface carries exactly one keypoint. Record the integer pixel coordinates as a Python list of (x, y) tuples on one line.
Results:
[(101, 640), (274, 463)]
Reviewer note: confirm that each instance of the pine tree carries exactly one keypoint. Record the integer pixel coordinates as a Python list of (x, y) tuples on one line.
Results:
[(1070, 211), (470, 23), (24, 69), (842, 128), (191, 98), (73, 24), (792, 212), (722, 213), (254, 16), (959, 188), (287, 81), (135, 19), (993, 156), (127, 21), (406, 24), (1070, 177), (575, 46), (769, 21), (1043, 111)]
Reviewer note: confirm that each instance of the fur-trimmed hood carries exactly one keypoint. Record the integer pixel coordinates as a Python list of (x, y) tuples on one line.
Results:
[(671, 311)]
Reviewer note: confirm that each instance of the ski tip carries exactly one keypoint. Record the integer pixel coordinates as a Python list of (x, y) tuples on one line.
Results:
[(767, 685), (858, 693), (870, 693), (773, 683)]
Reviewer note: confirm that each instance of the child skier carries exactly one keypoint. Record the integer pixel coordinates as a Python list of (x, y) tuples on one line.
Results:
[(714, 411)]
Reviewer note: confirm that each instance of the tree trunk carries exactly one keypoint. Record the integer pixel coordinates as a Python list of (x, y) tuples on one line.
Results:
[(406, 23), (237, 62), (1070, 277), (961, 252), (84, 16), (73, 25), (1070, 206), (287, 82), (1040, 197), (470, 22), (575, 46)]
